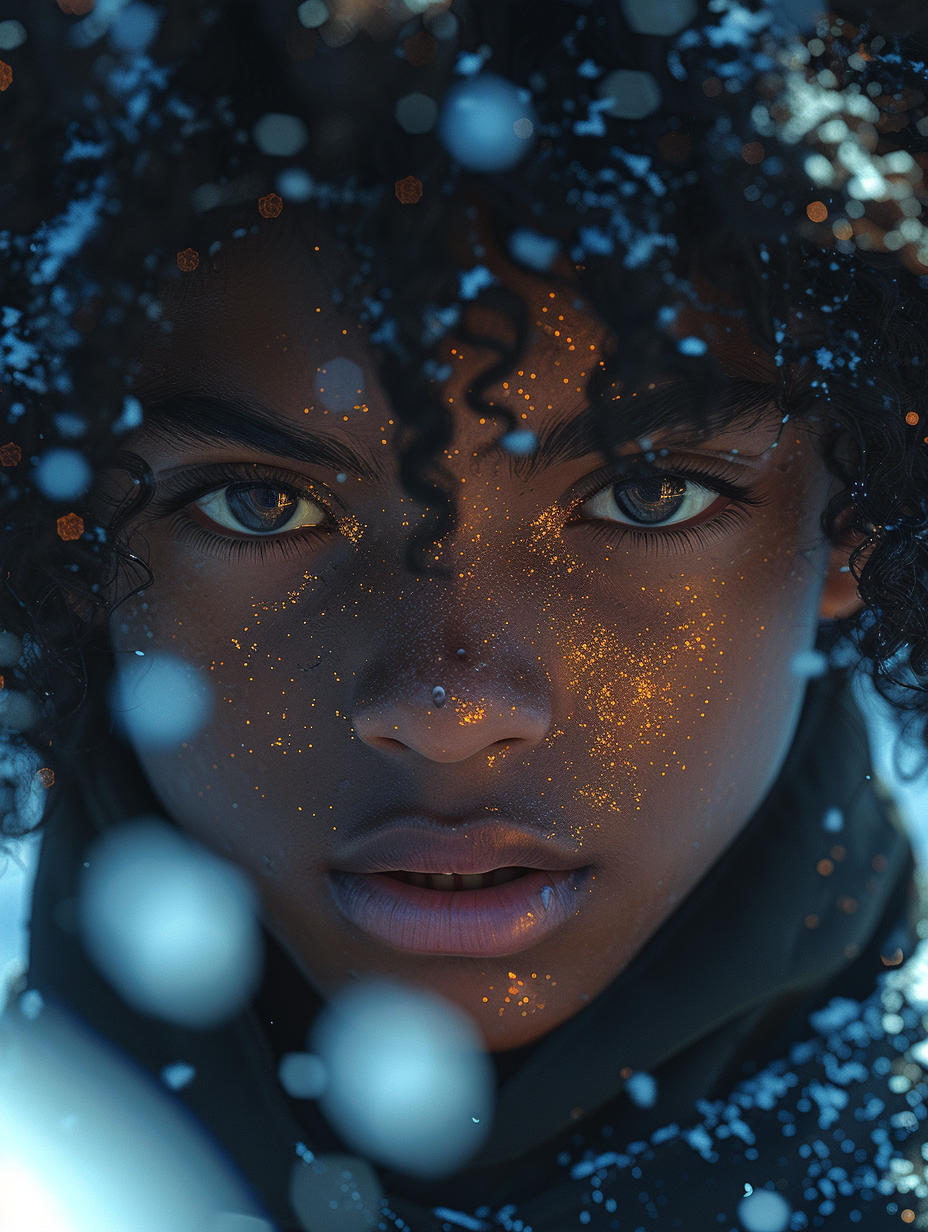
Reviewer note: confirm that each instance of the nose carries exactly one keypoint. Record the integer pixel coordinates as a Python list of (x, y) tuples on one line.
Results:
[(455, 717)]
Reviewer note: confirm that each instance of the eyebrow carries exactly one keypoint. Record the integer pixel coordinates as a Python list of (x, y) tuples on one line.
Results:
[(203, 419), (568, 440)]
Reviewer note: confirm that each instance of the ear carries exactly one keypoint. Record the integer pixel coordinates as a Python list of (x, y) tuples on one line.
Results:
[(840, 598)]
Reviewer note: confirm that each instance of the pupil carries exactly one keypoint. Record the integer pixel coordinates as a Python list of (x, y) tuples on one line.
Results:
[(651, 500), (260, 508)]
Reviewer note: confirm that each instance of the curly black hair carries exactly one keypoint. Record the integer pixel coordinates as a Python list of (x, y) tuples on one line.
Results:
[(735, 140)]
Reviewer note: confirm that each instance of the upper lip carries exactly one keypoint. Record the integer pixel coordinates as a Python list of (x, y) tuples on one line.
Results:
[(420, 844)]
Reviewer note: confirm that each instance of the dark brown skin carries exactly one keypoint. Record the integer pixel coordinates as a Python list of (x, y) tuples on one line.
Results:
[(628, 694)]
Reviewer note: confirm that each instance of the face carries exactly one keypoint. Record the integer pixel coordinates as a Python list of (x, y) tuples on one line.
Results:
[(499, 780)]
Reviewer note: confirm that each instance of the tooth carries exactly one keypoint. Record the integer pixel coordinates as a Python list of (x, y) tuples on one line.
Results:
[(442, 881), (419, 879), (471, 881)]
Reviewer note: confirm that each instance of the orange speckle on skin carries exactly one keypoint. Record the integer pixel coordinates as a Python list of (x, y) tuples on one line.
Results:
[(46, 776), (817, 211), (912, 418), (188, 260), (10, 454), (6, 75), (71, 526)]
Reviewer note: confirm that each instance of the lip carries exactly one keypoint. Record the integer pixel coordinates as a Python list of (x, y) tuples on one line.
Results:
[(489, 922)]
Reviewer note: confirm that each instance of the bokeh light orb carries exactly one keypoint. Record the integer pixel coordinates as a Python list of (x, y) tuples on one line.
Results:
[(158, 700), (481, 123), (764, 1210), (409, 1083), (171, 926), (88, 1143)]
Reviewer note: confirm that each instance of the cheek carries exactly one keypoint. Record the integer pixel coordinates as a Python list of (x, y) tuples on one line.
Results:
[(249, 780), (682, 701)]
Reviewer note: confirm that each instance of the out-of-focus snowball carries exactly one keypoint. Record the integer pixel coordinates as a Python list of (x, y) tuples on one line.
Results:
[(803, 13), (692, 346), (170, 925), (88, 1143), (532, 249), (312, 13), (340, 385), (11, 649), (443, 25), (642, 1090), (633, 94), (63, 474), (295, 184), (477, 124), (809, 663), (833, 821), (159, 700), (131, 417), (521, 441), (282, 135), (409, 1083), (302, 1075), (335, 1193), (12, 34), (764, 1210), (134, 28), (17, 710), (416, 113), (659, 16)]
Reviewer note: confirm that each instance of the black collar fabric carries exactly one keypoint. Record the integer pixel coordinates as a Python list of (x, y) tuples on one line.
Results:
[(789, 909)]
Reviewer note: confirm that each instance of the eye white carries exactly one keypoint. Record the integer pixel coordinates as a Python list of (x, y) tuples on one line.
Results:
[(603, 507), (216, 506)]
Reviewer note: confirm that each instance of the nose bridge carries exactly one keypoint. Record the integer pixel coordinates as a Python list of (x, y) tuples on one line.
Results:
[(453, 678)]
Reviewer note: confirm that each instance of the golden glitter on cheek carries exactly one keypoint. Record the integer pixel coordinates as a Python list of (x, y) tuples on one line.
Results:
[(351, 528), (630, 702)]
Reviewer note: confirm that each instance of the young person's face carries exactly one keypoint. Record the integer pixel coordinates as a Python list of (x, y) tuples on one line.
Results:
[(618, 697)]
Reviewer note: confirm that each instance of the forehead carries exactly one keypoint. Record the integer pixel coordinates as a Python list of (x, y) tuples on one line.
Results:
[(266, 319)]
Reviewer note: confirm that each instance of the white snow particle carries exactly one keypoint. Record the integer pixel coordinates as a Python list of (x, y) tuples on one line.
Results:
[(642, 1090), (280, 135), (632, 94), (302, 1075), (416, 113), (178, 1075), (658, 16), (833, 821)]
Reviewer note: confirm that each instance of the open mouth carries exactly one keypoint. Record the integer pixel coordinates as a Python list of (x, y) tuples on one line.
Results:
[(460, 881), (502, 911)]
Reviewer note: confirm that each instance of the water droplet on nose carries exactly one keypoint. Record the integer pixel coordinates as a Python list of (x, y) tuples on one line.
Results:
[(461, 653), (438, 695)]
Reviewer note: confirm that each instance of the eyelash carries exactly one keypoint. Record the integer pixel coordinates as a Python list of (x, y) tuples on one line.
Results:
[(178, 494), (675, 538)]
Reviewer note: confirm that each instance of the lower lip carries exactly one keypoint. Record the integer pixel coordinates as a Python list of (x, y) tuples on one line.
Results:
[(485, 923)]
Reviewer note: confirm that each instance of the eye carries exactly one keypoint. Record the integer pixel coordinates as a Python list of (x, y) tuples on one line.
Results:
[(260, 508), (657, 500)]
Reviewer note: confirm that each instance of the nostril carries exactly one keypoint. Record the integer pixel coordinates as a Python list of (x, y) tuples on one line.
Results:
[(386, 743)]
